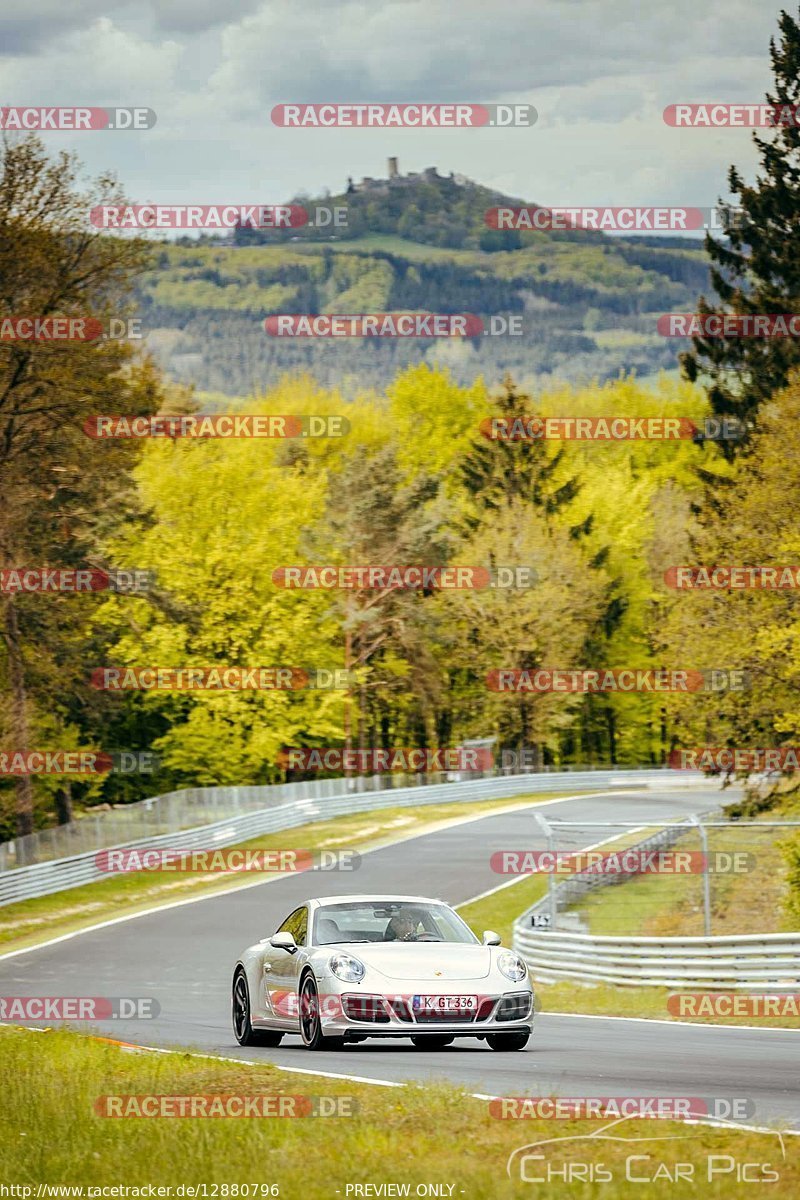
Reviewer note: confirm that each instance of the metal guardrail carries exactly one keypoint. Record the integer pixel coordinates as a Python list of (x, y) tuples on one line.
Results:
[(105, 828), (172, 812), (318, 803), (743, 961)]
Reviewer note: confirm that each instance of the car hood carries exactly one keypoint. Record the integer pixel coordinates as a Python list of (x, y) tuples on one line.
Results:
[(436, 961)]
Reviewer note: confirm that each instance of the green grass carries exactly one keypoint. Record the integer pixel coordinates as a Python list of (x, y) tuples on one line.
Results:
[(499, 911), (31, 921), (52, 1134), (610, 1000), (753, 901)]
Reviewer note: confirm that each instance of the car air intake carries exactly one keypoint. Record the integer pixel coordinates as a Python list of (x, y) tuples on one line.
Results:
[(463, 1017), (401, 1010), (365, 1008), (513, 1008)]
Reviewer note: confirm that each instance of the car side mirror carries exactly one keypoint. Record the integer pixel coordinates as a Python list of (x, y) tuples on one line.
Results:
[(490, 938), (284, 941)]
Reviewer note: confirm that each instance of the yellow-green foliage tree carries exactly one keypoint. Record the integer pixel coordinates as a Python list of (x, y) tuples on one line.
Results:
[(413, 482)]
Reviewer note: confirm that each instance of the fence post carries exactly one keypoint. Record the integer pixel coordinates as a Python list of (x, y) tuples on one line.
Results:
[(701, 829), (551, 887)]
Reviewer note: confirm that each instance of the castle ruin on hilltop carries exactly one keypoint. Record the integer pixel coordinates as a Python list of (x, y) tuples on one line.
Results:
[(381, 187)]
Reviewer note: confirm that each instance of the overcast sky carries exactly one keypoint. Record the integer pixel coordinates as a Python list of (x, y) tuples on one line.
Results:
[(599, 73)]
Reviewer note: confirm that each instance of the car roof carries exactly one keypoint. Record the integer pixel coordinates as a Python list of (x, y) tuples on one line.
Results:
[(383, 897)]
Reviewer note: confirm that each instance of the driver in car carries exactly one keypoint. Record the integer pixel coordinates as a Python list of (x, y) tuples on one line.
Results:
[(402, 927)]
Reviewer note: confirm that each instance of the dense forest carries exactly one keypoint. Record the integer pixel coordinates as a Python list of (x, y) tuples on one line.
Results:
[(588, 303), (599, 527)]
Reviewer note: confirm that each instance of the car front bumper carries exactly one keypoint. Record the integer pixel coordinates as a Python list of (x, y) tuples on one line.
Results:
[(376, 1015)]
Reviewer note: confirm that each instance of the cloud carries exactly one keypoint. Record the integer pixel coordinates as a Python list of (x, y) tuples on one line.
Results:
[(417, 50), (37, 23), (600, 73)]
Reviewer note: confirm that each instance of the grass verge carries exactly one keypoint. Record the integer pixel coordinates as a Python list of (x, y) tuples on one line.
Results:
[(412, 1136)]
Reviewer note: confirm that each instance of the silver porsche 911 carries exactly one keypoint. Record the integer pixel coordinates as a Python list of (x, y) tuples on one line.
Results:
[(346, 968)]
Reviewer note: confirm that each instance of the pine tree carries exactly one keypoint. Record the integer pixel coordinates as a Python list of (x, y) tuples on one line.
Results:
[(497, 471), (757, 268)]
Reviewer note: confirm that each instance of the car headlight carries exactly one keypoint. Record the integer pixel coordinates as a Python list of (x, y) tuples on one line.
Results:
[(345, 967), (512, 966)]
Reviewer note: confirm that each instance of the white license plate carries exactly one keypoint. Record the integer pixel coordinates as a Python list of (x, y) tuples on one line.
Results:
[(445, 1004)]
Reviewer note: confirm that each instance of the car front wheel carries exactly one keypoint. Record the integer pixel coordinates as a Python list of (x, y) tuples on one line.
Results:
[(517, 1040), (240, 1008), (311, 1021)]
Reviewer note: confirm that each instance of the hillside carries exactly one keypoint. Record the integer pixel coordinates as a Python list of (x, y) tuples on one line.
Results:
[(588, 302)]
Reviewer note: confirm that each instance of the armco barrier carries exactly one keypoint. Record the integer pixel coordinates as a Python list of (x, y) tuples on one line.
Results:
[(745, 961), (44, 878)]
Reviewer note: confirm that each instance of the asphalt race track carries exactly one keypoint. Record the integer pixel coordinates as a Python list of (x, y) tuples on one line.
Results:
[(183, 957)]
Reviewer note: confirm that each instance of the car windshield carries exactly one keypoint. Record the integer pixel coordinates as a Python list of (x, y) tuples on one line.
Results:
[(389, 921)]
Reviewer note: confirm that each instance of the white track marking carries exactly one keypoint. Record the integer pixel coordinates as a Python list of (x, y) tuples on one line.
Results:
[(529, 874)]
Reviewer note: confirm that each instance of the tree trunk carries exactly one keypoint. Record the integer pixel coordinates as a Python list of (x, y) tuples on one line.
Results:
[(64, 804), (20, 731), (612, 735)]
